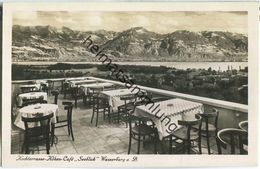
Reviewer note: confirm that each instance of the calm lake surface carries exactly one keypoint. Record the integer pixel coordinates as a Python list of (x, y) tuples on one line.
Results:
[(179, 65)]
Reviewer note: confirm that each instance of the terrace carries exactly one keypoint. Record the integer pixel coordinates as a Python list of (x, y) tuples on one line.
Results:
[(112, 137)]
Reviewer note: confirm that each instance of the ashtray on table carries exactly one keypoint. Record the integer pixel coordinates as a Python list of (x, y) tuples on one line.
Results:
[(37, 107)]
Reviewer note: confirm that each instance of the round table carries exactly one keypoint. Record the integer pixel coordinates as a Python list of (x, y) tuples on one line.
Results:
[(32, 110)]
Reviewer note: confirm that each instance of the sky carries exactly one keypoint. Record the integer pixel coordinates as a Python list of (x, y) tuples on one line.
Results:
[(159, 22)]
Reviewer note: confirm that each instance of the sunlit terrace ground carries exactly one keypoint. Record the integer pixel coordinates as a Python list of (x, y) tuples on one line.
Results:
[(107, 138)]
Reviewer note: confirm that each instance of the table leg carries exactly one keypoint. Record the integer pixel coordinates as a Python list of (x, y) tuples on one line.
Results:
[(109, 109), (54, 138), (62, 83)]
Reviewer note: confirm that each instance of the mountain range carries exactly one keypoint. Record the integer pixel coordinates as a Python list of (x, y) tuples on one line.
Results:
[(48, 43)]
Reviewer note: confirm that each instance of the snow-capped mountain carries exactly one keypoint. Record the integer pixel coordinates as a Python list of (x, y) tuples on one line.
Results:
[(47, 43)]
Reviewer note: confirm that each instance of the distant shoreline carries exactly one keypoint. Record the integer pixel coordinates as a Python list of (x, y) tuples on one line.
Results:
[(178, 65), (80, 62)]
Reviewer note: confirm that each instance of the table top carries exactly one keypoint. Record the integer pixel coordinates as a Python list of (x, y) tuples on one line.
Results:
[(38, 108), (85, 87), (75, 79), (41, 82), (31, 110), (171, 107), (117, 92), (105, 84), (29, 85), (78, 82), (32, 94), (113, 97), (166, 114)]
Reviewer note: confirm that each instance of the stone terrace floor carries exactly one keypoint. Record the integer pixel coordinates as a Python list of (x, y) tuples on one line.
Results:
[(107, 138)]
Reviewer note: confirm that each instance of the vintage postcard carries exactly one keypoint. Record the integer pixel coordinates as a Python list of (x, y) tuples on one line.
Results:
[(130, 84)]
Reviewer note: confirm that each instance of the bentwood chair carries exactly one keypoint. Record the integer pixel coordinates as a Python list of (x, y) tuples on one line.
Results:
[(209, 127), (154, 100), (130, 103), (66, 89), (50, 85), (45, 88), (55, 93), (234, 138), (100, 104), (76, 94), (243, 125), (64, 120), (38, 134), (140, 131), (93, 91), (187, 134), (124, 109)]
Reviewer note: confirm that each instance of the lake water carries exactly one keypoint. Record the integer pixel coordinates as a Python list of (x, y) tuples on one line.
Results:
[(179, 65), (196, 65)]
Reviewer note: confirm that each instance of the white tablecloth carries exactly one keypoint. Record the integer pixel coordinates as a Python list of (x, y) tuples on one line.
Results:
[(31, 95), (85, 87), (75, 79), (173, 109), (31, 110), (114, 97), (42, 82), (79, 82), (37, 86)]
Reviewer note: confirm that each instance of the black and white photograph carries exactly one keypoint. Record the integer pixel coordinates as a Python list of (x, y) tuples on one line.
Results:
[(130, 82)]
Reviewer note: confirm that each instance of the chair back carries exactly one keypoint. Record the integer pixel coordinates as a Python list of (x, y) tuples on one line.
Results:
[(44, 87), (66, 86), (69, 107), (28, 89), (95, 90), (137, 103), (76, 92), (50, 84), (55, 93), (128, 98), (141, 93), (211, 116), (137, 121), (191, 124), (233, 137), (99, 100), (243, 125), (42, 121), (27, 102)]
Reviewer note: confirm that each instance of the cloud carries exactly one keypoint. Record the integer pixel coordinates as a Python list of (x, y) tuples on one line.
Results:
[(140, 20), (160, 22), (28, 15)]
